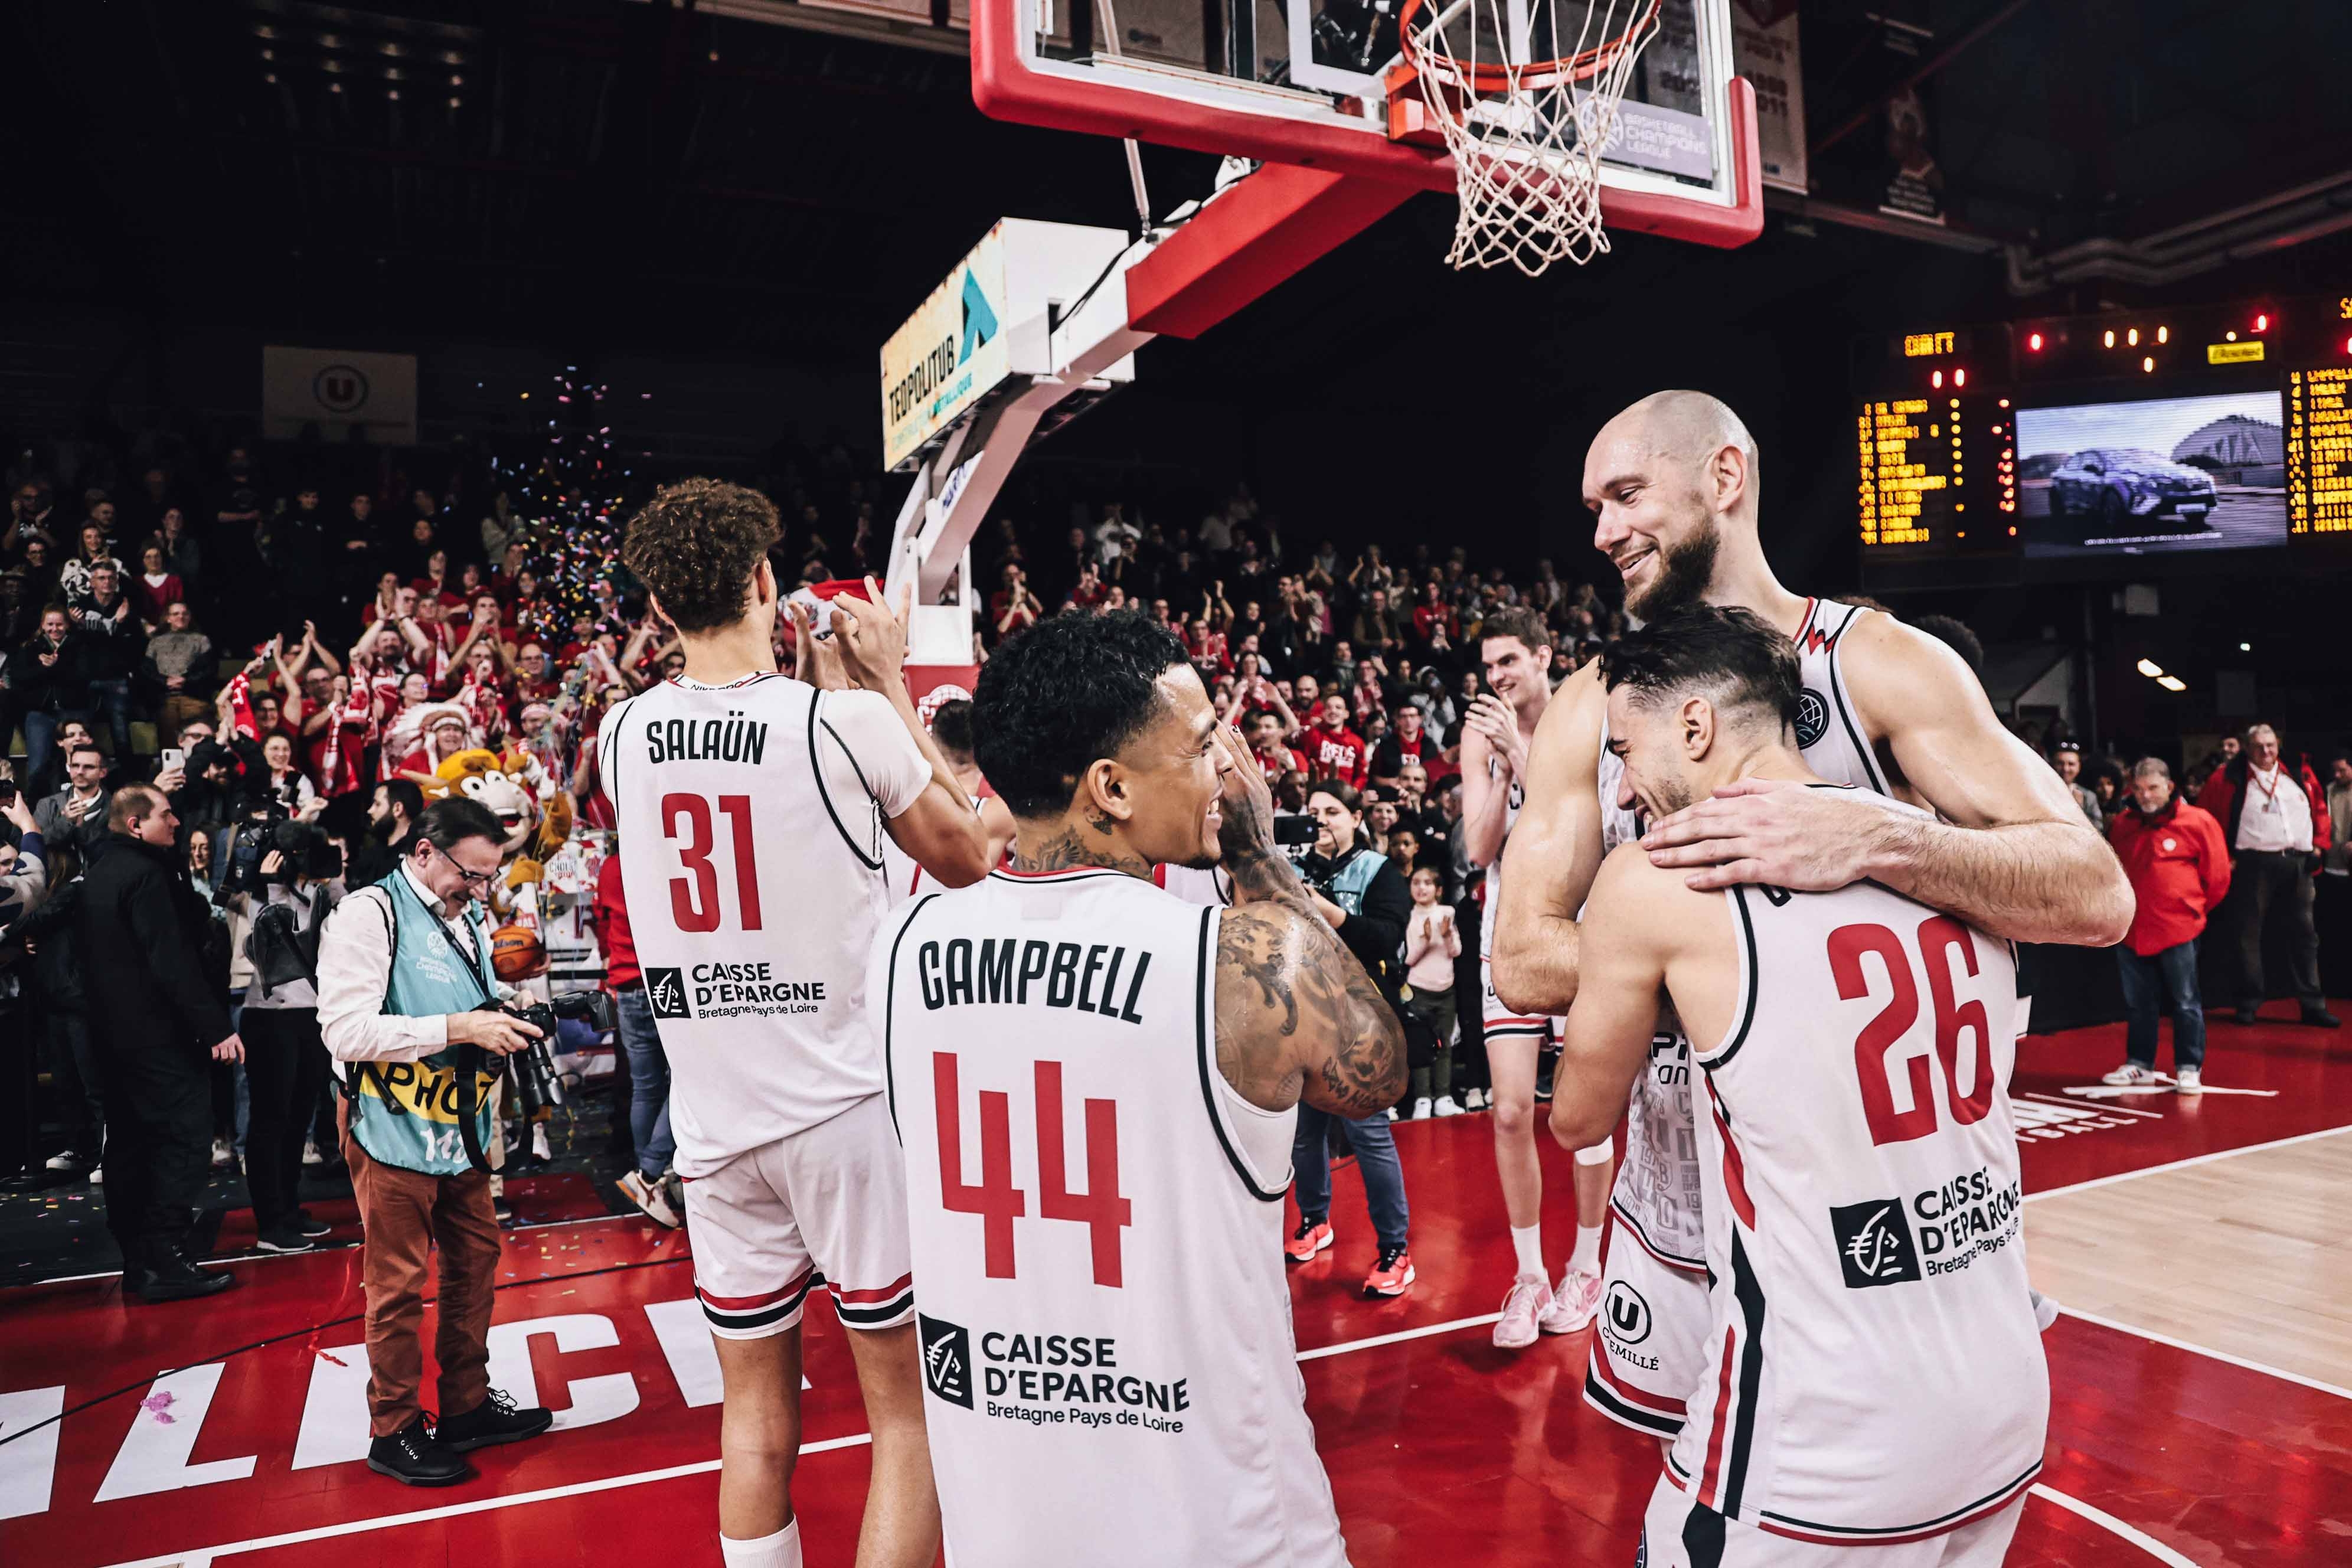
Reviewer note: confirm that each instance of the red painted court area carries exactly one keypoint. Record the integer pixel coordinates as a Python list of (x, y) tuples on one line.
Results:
[(1439, 1446)]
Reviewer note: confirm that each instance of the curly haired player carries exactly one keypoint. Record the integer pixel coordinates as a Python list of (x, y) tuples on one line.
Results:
[(752, 809)]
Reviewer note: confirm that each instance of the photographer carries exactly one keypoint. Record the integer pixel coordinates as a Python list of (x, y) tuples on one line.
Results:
[(405, 984), (300, 882), (1367, 903)]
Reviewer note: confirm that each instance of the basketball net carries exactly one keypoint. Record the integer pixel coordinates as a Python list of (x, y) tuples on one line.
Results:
[(1525, 133)]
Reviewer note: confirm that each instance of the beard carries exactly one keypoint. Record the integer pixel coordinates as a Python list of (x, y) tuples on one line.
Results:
[(1684, 570)]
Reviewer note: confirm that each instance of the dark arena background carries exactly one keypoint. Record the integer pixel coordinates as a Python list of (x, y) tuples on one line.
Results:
[(2047, 333)]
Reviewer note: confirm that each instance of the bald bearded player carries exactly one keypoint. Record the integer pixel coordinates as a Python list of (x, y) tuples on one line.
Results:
[(1672, 483)]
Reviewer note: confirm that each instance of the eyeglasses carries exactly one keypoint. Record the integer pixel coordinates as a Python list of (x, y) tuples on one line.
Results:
[(476, 880)]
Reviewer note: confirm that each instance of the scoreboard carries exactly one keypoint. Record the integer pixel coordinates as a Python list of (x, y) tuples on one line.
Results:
[(2079, 445)]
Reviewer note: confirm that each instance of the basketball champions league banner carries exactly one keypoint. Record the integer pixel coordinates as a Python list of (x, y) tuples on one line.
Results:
[(950, 354)]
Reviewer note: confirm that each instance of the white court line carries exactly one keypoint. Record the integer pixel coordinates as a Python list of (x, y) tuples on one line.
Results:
[(2107, 1521), (201, 1557), (2124, 1110), (2096, 1182), (481, 1505), (2263, 1367)]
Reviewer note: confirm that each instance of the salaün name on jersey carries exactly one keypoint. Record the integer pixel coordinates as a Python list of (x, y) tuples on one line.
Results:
[(1002, 970), (733, 738)]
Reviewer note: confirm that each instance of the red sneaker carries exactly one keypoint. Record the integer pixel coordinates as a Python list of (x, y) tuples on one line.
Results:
[(1311, 1237), (1393, 1275)]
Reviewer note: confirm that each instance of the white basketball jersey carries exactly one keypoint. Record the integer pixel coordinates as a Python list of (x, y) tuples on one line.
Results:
[(1097, 1226), (750, 818), (904, 877), (1657, 1193), (1875, 1374)]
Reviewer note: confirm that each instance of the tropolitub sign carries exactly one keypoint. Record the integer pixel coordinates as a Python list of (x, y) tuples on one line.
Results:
[(949, 355)]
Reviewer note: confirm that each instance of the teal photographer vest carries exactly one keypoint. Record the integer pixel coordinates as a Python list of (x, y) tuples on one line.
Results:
[(406, 1113), (1347, 884)]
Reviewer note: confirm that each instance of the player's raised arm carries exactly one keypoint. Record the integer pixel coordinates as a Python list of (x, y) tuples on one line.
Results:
[(938, 829), (1553, 852), (2014, 855), (1486, 789), (1298, 1018)]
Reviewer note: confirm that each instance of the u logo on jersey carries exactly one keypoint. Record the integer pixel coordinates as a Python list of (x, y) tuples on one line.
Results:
[(1874, 1245), (1625, 1316)]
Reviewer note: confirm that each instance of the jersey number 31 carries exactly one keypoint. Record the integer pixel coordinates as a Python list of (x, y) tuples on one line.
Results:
[(998, 1202), (694, 898)]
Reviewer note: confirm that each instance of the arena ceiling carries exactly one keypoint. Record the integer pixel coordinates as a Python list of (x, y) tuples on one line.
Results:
[(642, 172)]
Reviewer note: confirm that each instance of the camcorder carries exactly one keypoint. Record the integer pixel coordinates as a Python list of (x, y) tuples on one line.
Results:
[(302, 847), (537, 1081)]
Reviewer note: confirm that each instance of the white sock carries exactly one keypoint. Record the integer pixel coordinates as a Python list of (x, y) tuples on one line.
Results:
[(1528, 1242), (782, 1549), (1587, 1255)]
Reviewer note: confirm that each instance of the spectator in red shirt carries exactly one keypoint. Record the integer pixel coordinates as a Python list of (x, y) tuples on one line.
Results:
[(155, 588), (648, 1068), (1273, 755), (1334, 751), (2179, 868), (1407, 740)]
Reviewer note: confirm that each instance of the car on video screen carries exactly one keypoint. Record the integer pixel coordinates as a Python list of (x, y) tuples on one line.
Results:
[(2128, 489)]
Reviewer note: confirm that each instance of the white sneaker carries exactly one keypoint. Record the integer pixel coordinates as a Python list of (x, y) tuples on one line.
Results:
[(97, 1176), (222, 1153), (1530, 1295), (2130, 1074), (538, 1145), (66, 1159), (1475, 1101), (2188, 1080), (1573, 1304), (651, 1196), (1393, 1114), (1448, 1106), (311, 1155), (1421, 1108)]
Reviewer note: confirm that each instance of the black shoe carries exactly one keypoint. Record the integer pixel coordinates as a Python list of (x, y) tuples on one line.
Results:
[(495, 1420), (2321, 1018), (283, 1238), (2249, 1015), (413, 1458), (1545, 1064), (174, 1279), (313, 1228)]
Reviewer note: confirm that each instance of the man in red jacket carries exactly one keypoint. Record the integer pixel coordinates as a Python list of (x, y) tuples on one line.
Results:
[(2179, 867), (2276, 823)]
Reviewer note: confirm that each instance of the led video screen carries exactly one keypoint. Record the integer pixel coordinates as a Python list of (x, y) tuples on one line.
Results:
[(2160, 476)]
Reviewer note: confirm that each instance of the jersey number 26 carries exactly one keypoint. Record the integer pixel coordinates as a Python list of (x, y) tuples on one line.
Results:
[(1940, 937)]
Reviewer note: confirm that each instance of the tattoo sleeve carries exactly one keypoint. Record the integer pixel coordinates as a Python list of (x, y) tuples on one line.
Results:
[(1296, 1015)]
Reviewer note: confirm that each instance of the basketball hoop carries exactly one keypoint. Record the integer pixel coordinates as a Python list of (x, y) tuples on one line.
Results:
[(1525, 133)]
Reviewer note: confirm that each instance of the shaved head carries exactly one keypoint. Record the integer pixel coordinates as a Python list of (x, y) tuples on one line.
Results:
[(1690, 426), (1663, 479)]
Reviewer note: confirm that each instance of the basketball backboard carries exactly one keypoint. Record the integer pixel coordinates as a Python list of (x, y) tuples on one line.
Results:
[(1313, 83)]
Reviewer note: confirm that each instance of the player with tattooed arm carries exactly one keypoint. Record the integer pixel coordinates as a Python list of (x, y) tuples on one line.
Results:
[(1094, 1082)]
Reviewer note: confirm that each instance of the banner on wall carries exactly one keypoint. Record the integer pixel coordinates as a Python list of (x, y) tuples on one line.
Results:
[(1764, 50), (335, 390)]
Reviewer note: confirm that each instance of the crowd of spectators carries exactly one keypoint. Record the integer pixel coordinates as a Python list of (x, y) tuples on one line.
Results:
[(269, 637)]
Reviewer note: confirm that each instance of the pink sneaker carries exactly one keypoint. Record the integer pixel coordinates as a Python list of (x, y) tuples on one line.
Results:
[(1526, 1303), (1572, 1305)]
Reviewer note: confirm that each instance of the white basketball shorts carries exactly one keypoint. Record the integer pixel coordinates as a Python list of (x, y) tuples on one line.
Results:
[(1649, 1344), (827, 1203), (1677, 1532), (1501, 1023)]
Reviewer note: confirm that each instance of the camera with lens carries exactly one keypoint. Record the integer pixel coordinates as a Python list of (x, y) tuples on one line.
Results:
[(539, 1082)]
